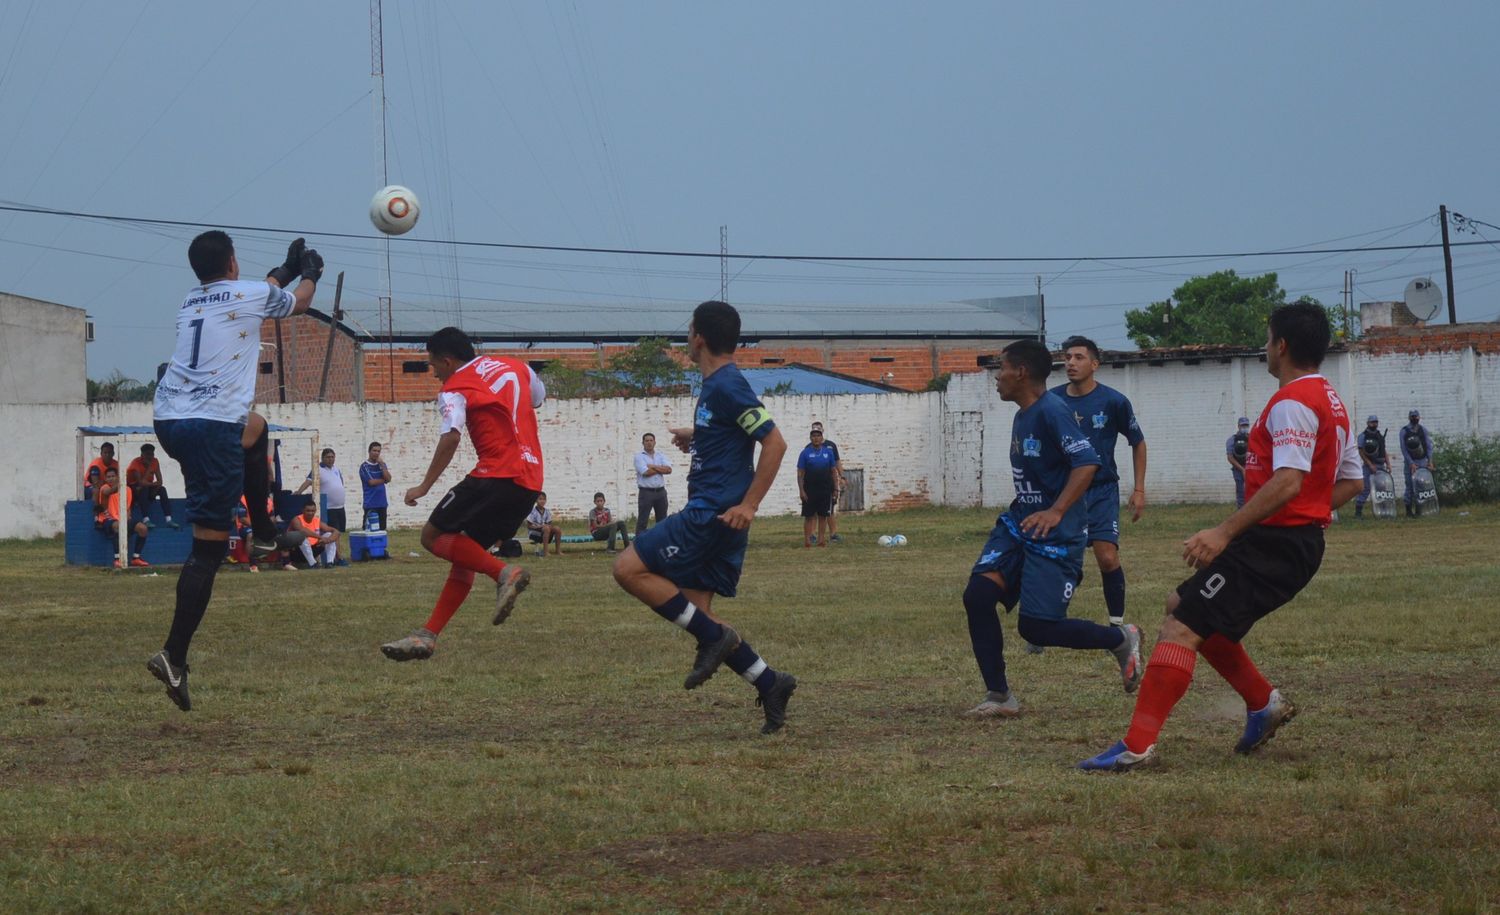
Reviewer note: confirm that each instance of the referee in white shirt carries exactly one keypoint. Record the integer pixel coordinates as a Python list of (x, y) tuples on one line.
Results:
[(651, 471)]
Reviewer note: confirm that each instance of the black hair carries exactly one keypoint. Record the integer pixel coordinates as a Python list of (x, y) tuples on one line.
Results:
[(452, 342), (1303, 326), (650, 435), (325, 451), (1085, 342), (719, 326), (598, 495), (541, 494), (209, 255), (149, 447), (372, 445), (1031, 355), (108, 445)]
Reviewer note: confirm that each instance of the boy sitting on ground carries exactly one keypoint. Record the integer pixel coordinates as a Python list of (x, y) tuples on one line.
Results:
[(603, 526)]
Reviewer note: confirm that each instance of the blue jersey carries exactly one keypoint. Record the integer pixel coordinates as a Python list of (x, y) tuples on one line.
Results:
[(728, 422), (1046, 445), (818, 460), (1104, 415), (374, 482)]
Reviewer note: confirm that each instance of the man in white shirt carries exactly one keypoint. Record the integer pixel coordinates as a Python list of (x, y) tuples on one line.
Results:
[(203, 420), (330, 484), (651, 482)]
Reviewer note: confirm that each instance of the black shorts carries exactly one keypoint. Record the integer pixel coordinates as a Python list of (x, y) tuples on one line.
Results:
[(818, 504), (1259, 571), (485, 509)]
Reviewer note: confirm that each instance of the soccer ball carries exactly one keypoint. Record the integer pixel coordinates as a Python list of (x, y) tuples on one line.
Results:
[(886, 540), (899, 540), (394, 210)]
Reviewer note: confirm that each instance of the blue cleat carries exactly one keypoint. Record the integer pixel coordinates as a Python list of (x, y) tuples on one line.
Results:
[(1261, 726), (1118, 759)]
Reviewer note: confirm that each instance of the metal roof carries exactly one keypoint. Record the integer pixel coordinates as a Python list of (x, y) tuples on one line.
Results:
[(805, 379), (999, 318)]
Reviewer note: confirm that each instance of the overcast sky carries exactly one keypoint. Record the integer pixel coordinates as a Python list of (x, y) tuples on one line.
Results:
[(1056, 130)]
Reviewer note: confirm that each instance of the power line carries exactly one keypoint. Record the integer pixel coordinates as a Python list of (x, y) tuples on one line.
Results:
[(644, 252)]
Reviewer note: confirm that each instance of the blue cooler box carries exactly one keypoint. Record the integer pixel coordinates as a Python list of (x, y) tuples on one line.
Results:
[(366, 545)]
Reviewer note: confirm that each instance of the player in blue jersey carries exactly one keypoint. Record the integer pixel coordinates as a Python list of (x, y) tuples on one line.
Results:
[(1104, 415), (678, 566), (203, 420), (1035, 554)]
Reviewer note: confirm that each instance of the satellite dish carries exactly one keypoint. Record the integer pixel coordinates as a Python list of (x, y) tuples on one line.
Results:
[(1423, 298)]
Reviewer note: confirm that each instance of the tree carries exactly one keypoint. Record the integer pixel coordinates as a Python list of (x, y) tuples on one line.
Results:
[(1218, 308), (117, 388), (650, 368)]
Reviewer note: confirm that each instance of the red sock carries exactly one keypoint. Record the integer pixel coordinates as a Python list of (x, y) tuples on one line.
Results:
[(1233, 664), (455, 589), (1168, 676), (466, 553)]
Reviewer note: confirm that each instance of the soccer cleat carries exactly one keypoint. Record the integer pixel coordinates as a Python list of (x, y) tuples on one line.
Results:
[(139, 563), (836, 539), (263, 547), (175, 678), (1118, 759), (996, 705), (710, 656), (173, 525), (1261, 726), (1032, 649), (1117, 621), (512, 582), (773, 701), (341, 562), (416, 647), (1129, 656), (117, 563)]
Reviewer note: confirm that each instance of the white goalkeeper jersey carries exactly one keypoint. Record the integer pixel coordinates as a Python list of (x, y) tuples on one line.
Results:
[(212, 372)]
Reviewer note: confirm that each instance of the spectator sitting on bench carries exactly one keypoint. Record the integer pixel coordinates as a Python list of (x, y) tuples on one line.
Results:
[(107, 518), (313, 532), (93, 474), (143, 476), (602, 525), (541, 530)]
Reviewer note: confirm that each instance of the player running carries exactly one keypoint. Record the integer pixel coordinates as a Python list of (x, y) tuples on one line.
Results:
[(203, 420), (496, 399), (1302, 463), (1035, 553), (678, 566), (1104, 415)]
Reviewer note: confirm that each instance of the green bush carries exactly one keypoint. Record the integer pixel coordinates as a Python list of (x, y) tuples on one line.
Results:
[(1468, 468)]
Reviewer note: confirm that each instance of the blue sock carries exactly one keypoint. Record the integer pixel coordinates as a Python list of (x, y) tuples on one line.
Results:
[(745, 662), (1114, 593), (700, 625), (1067, 633), (980, 600)]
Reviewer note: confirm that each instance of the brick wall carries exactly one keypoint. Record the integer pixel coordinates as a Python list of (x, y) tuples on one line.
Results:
[(304, 344)]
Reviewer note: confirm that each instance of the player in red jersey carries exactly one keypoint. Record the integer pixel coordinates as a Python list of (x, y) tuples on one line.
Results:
[(496, 400), (1302, 464)]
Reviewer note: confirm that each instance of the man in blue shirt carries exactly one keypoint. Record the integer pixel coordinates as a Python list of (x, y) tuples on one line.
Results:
[(678, 566), (1236, 447), (817, 481), (1416, 453), (1034, 555), (1104, 414), (373, 475)]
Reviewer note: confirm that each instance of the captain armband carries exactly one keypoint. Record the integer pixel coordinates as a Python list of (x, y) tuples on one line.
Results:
[(752, 419)]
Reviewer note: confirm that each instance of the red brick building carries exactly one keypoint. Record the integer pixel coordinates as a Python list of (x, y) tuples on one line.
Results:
[(312, 358)]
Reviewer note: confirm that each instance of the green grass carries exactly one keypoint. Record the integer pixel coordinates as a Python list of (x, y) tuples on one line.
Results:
[(555, 763)]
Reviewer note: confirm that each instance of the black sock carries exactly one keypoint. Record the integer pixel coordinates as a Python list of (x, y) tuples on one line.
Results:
[(258, 487), (194, 587), (140, 544)]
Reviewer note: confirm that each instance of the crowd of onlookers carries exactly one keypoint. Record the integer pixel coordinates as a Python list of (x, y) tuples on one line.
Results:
[(315, 539)]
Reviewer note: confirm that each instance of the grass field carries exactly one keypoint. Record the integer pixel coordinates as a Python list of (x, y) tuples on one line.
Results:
[(555, 763)]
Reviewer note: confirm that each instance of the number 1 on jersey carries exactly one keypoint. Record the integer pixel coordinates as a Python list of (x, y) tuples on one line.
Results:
[(197, 325)]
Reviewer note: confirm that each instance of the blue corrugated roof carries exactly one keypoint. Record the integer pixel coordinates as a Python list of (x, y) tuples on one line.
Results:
[(804, 380)]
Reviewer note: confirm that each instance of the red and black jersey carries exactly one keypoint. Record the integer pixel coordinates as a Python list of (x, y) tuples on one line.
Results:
[(1304, 426)]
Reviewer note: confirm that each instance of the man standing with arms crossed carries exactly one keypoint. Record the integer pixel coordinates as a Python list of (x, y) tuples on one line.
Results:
[(495, 399), (1104, 414), (203, 420), (678, 566), (1302, 464), (651, 483)]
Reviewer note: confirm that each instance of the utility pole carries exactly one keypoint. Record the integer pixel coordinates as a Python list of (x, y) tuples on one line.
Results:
[(1448, 264), (1041, 306), (377, 95)]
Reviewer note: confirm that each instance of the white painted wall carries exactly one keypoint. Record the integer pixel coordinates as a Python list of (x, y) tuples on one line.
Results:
[(41, 352), (1186, 411)]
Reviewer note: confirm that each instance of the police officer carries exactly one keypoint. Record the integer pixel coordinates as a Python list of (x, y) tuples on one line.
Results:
[(1372, 455), (1416, 452), (1235, 449)]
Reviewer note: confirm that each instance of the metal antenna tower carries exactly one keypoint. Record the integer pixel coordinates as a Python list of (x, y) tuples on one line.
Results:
[(723, 263)]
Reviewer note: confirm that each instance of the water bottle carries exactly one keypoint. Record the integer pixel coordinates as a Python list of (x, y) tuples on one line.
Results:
[(372, 520)]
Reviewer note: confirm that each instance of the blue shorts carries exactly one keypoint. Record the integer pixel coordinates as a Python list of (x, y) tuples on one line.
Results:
[(213, 466), (694, 549), (1102, 508), (1041, 576)]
